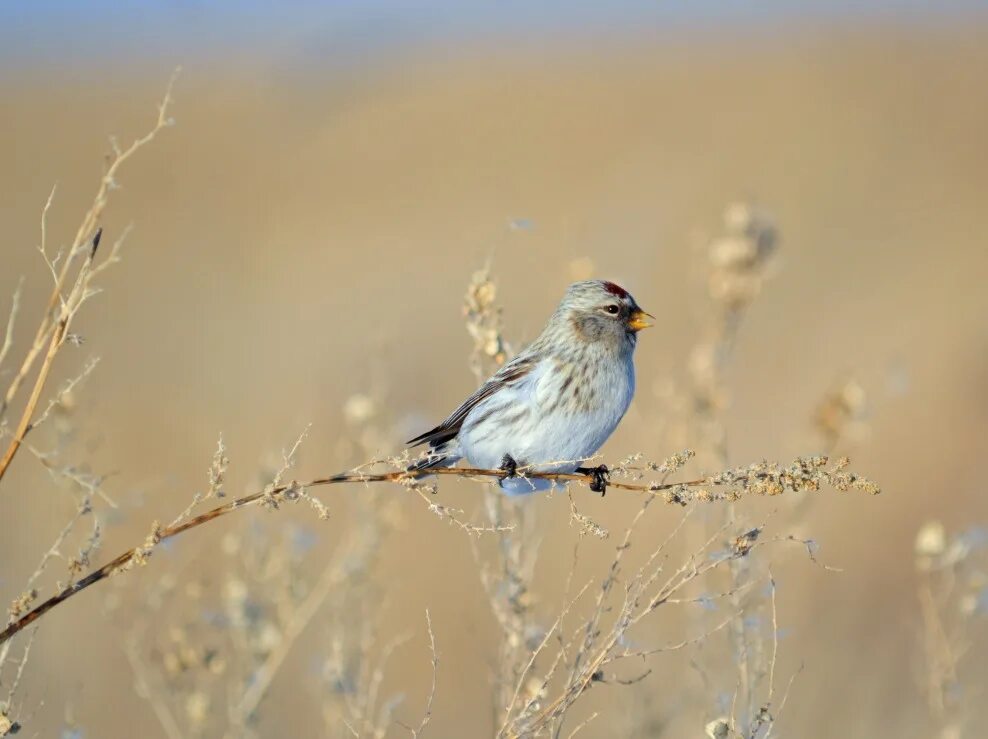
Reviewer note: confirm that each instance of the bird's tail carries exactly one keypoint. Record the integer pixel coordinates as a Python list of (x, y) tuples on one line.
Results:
[(443, 455), (436, 458)]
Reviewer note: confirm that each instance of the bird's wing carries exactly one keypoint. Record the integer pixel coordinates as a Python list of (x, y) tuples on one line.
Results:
[(507, 376)]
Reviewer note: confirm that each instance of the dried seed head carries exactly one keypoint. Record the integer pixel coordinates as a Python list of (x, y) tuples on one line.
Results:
[(744, 543), (20, 605), (740, 259), (8, 727), (719, 728), (359, 408)]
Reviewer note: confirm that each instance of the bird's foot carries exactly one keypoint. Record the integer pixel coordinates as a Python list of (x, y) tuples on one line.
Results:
[(509, 466), (600, 478)]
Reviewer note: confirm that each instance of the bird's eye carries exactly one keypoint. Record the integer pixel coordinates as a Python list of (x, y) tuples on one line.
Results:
[(612, 309)]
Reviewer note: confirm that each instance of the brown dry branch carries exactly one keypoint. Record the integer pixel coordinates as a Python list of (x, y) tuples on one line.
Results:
[(763, 478), (266, 608), (63, 307), (601, 643), (58, 335), (203, 679), (536, 696), (75, 271)]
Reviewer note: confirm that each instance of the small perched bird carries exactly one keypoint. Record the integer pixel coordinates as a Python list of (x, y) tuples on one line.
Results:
[(555, 404)]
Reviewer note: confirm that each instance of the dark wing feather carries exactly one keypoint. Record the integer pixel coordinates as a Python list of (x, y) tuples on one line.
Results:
[(448, 429)]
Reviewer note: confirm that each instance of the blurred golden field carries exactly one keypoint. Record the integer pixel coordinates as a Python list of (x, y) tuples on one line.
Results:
[(302, 241)]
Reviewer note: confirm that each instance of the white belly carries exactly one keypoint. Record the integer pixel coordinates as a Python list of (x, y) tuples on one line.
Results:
[(528, 423)]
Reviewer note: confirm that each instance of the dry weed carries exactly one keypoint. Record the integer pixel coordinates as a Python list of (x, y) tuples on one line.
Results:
[(206, 658)]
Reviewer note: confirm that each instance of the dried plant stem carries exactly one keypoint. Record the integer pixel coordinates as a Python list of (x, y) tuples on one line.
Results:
[(62, 308), (765, 481), (738, 264), (941, 656), (8, 336), (333, 576), (166, 718), (427, 714), (24, 425)]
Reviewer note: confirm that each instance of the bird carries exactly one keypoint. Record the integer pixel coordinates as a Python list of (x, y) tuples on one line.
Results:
[(552, 406)]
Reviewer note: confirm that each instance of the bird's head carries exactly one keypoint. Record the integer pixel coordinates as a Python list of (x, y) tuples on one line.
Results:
[(600, 311)]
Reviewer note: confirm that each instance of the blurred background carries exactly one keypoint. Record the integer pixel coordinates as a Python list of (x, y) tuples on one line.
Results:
[(302, 240)]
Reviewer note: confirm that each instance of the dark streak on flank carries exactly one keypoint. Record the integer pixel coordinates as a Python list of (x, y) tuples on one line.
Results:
[(485, 415), (514, 417), (498, 427), (566, 383)]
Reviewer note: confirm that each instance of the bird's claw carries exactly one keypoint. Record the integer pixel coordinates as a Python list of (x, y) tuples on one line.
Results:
[(600, 478), (509, 466)]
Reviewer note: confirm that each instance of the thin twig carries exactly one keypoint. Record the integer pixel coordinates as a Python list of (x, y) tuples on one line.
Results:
[(21, 664), (736, 482), (8, 337), (54, 344), (61, 309), (427, 715), (24, 425), (782, 704), (144, 689), (262, 678), (775, 640)]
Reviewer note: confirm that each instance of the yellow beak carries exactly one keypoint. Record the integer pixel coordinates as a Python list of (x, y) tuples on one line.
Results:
[(636, 321)]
